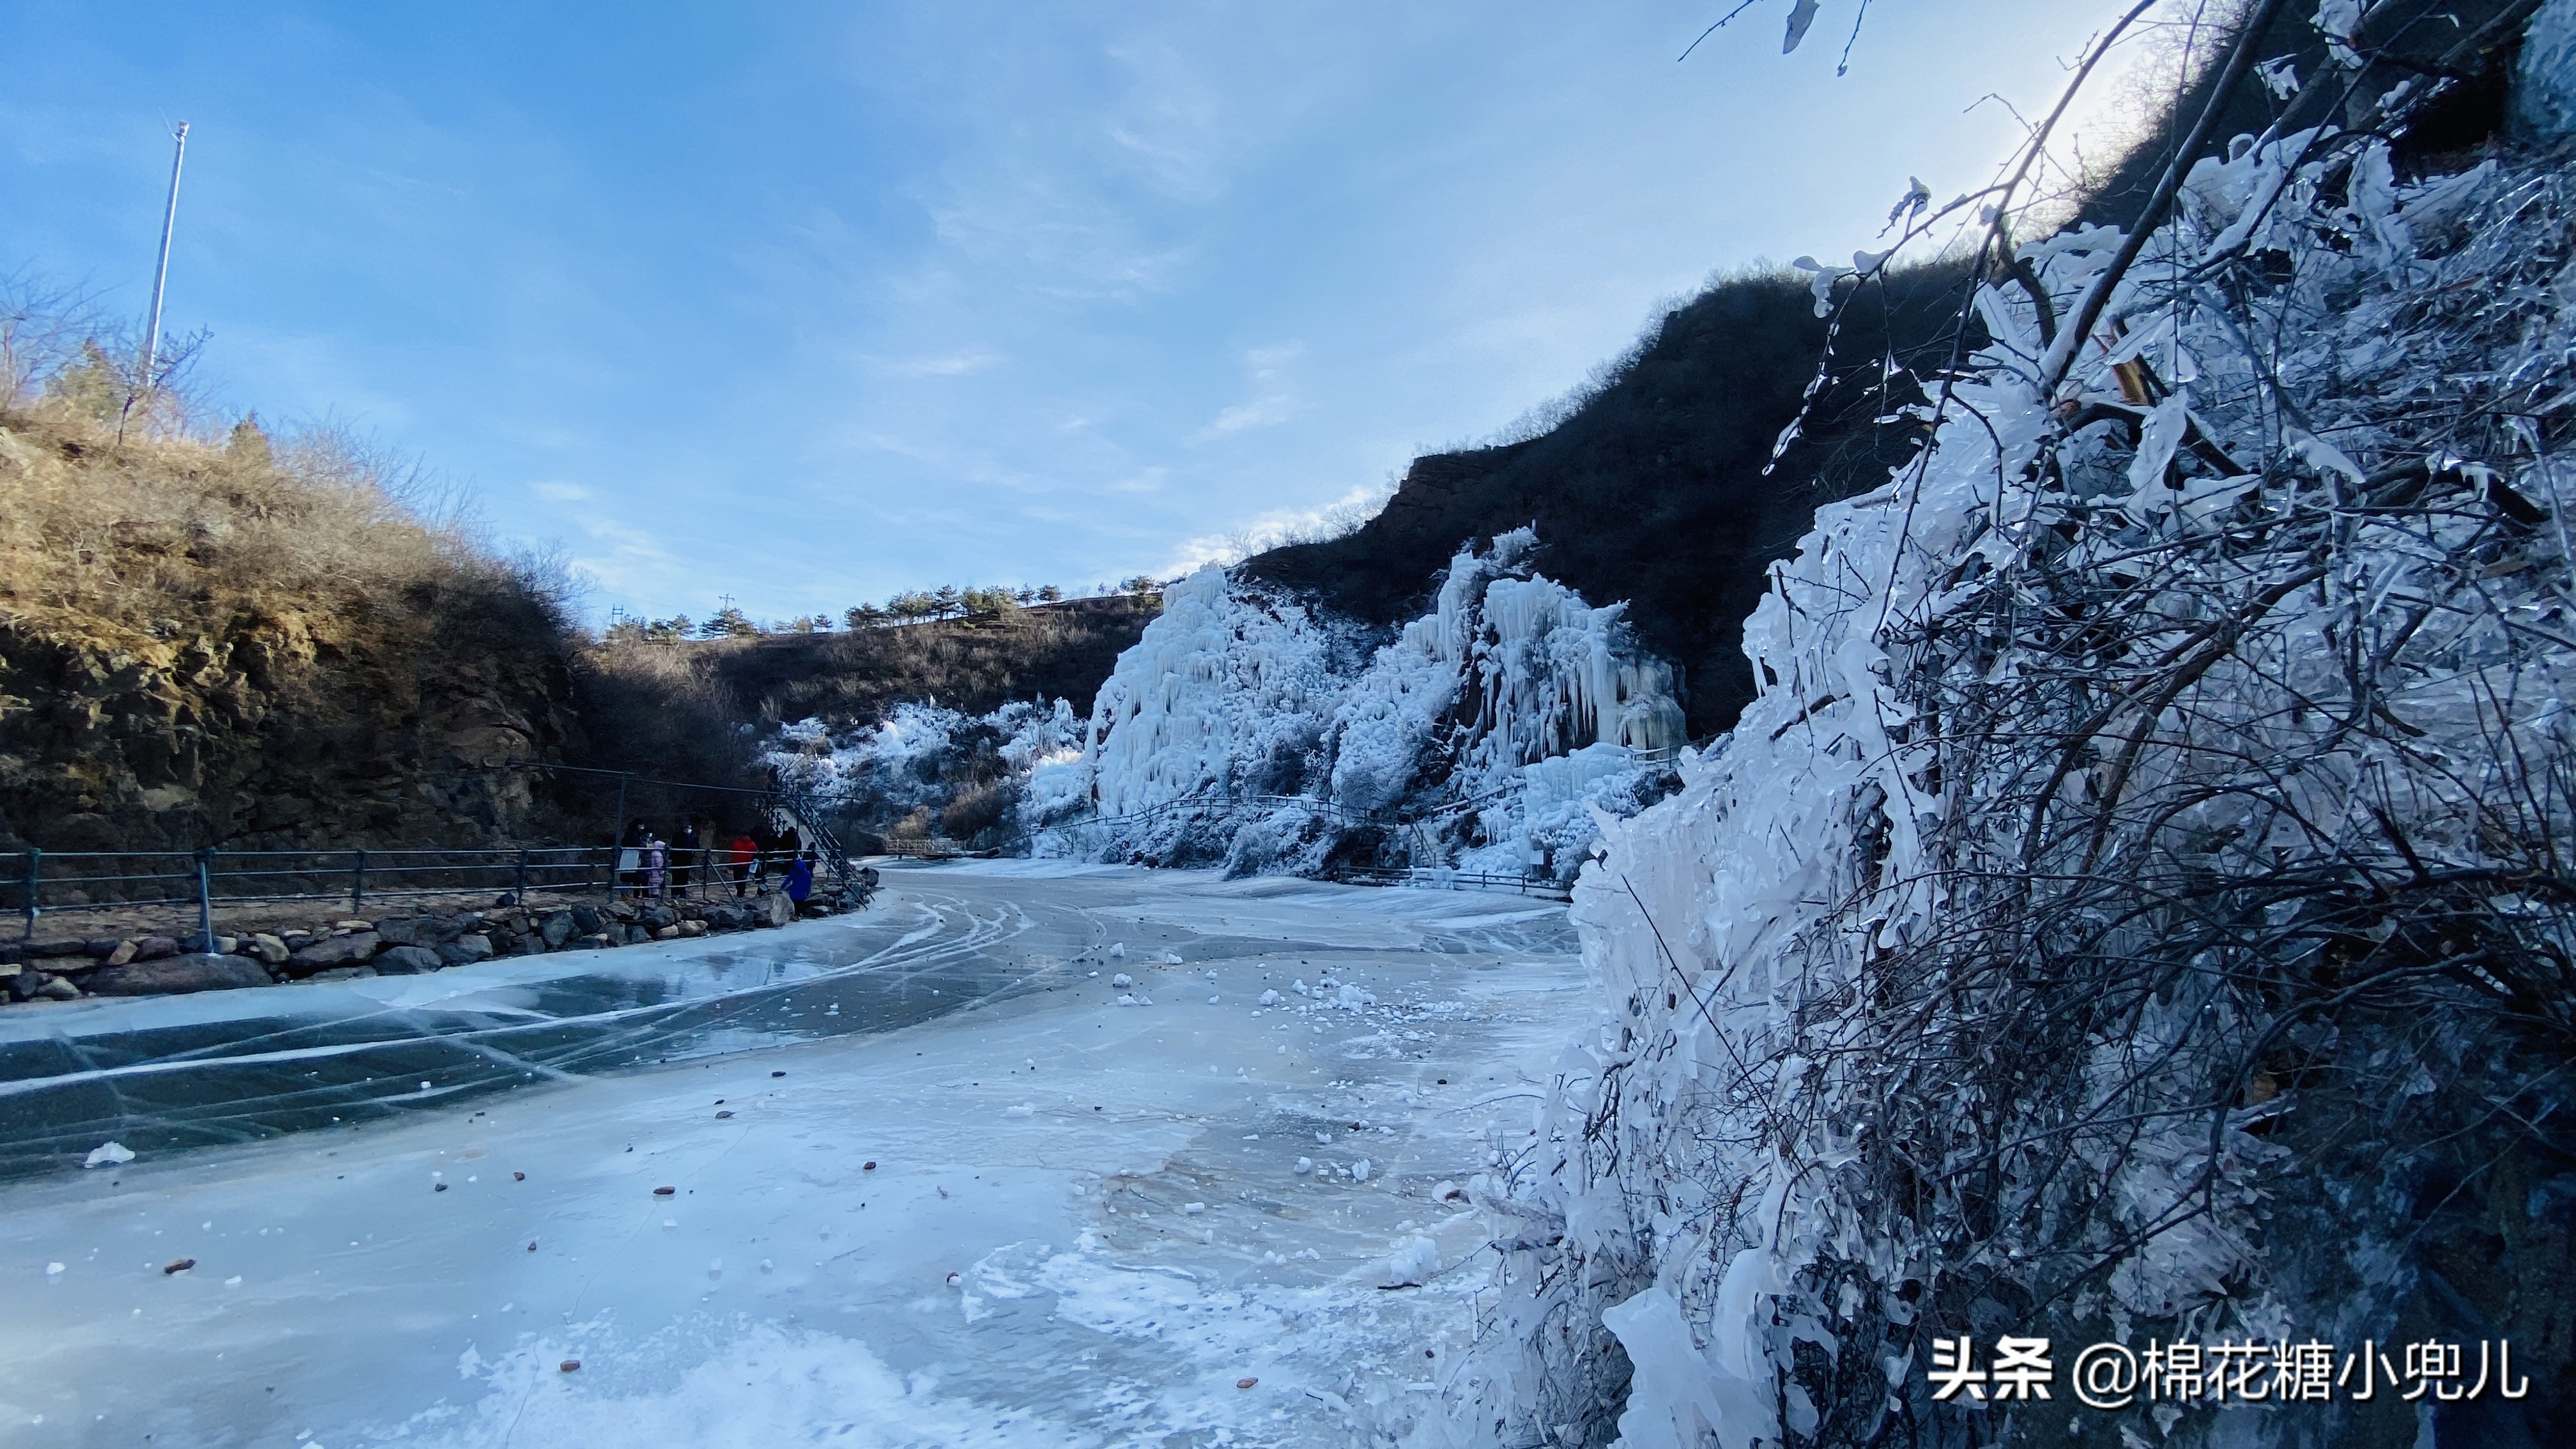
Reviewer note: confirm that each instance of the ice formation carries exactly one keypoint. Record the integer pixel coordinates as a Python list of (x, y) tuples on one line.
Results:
[(1485, 734), (920, 762), (2151, 782)]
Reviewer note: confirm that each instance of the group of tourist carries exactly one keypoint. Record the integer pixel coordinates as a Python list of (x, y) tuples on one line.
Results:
[(699, 858)]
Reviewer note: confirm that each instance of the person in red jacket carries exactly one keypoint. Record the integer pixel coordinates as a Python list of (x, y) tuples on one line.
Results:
[(740, 852)]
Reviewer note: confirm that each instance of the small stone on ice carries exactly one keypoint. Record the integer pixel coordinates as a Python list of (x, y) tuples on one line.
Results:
[(568, 1365), (1245, 1383), (178, 1265), (664, 1191)]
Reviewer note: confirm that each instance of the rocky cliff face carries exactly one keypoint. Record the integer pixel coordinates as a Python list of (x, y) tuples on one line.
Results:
[(268, 731), (231, 644)]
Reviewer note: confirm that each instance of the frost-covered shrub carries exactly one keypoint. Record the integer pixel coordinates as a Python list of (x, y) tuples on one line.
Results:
[(2137, 905)]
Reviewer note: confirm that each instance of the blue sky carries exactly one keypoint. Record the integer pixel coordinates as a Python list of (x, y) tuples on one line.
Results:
[(807, 303)]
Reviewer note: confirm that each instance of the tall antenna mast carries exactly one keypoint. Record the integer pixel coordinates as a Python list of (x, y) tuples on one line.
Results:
[(161, 273)]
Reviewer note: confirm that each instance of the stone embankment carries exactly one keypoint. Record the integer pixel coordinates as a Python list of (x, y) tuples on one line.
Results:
[(68, 969)]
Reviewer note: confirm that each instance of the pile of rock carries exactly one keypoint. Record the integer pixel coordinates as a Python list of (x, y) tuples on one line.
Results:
[(66, 970)]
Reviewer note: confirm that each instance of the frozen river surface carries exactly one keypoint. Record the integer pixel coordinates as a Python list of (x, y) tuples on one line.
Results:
[(931, 1181)]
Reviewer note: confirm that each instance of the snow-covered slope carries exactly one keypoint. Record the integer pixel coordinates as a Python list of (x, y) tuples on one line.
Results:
[(1245, 727), (2135, 909)]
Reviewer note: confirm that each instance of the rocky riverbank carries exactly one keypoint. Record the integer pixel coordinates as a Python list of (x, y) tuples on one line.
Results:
[(69, 968)]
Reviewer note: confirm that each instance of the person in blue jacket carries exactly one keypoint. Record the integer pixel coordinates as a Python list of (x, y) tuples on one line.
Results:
[(800, 878)]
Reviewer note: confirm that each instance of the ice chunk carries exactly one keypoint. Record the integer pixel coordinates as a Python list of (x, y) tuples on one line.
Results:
[(1171, 958), (1359, 1170), (1021, 1109), (1305, 1165), (1122, 980), (1271, 998), (1414, 1260), (1117, 950), (108, 1154)]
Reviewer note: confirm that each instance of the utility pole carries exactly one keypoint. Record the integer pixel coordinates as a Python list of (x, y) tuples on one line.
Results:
[(160, 278), (161, 273)]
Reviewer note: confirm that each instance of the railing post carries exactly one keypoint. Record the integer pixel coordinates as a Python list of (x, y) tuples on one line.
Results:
[(206, 900), (35, 880), (617, 837), (358, 885), (519, 892)]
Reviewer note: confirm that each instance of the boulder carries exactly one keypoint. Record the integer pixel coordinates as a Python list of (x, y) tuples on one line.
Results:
[(693, 928), (102, 947), (556, 929), (267, 948), (125, 951), (10, 953), (622, 909), (773, 909), (154, 948), (586, 921), (332, 952), (727, 918), (466, 949), (655, 917), (527, 945), (344, 973), (421, 930), (57, 988), (670, 932), (52, 950), (25, 985), (169, 975), (406, 961)]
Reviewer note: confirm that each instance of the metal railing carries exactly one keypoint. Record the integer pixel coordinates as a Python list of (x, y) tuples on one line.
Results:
[(43, 881), (1438, 877)]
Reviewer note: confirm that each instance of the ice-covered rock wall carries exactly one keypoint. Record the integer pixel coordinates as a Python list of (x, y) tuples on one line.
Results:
[(1237, 694), (922, 760)]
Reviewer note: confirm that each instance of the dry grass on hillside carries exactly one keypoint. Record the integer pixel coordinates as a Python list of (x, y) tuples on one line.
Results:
[(168, 530)]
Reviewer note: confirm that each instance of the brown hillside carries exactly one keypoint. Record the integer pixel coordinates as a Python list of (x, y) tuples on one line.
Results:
[(1054, 651), (236, 643)]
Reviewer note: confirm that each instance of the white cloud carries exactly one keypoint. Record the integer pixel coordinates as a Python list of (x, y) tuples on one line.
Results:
[(1279, 526), (559, 492), (1272, 401), (952, 364)]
